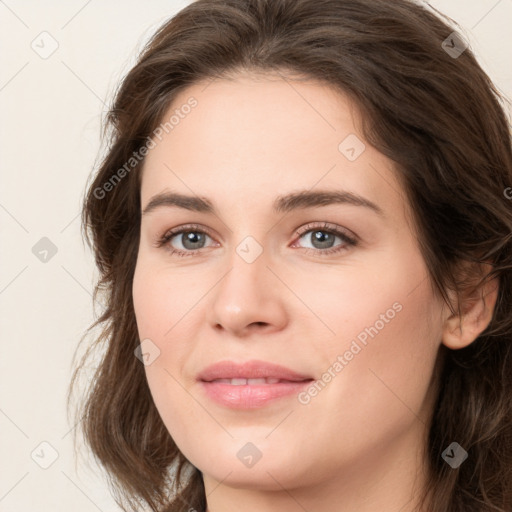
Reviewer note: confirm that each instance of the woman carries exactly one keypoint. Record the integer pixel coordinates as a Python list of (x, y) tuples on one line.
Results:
[(338, 337)]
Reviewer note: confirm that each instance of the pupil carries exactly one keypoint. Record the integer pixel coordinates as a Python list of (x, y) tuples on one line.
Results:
[(325, 239), (192, 238)]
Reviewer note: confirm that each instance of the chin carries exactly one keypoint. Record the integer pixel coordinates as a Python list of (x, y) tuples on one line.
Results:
[(263, 478)]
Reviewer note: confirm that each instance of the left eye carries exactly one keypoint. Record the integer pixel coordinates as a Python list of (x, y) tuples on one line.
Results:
[(190, 240), (323, 239)]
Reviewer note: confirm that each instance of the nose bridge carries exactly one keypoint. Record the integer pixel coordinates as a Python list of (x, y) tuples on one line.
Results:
[(248, 293), (248, 275)]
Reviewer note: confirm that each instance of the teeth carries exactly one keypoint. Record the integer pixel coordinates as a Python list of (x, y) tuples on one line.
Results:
[(250, 382)]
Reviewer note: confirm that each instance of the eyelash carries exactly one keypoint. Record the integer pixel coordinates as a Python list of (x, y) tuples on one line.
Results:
[(348, 241)]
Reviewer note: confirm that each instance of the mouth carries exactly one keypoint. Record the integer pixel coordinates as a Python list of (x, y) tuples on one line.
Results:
[(250, 370), (250, 385), (250, 382)]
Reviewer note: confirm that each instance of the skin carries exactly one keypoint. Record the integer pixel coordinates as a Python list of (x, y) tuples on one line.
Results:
[(358, 444)]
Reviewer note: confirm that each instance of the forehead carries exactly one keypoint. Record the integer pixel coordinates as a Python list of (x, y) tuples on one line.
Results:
[(256, 136), (248, 112)]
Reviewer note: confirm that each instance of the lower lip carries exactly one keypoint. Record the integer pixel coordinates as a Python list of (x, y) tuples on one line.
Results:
[(250, 396)]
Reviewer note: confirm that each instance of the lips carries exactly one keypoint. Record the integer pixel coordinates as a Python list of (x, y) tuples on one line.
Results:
[(248, 382), (250, 385), (250, 370)]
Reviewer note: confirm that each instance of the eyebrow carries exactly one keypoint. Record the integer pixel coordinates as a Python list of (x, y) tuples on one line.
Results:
[(294, 201)]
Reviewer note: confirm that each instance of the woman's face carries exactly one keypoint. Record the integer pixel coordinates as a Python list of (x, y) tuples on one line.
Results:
[(297, 251)]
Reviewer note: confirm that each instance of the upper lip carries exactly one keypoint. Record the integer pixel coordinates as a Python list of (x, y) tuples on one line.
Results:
[(249, 370)]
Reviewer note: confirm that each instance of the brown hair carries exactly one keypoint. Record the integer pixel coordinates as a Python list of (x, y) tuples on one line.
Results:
[(438, 117)]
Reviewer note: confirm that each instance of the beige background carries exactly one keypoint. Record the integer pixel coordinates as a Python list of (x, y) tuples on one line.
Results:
[(50, 124)]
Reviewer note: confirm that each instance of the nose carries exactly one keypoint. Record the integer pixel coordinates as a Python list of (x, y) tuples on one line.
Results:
[(249, 298)]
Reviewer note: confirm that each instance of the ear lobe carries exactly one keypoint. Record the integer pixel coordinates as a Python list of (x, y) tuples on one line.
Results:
[(477, 309)]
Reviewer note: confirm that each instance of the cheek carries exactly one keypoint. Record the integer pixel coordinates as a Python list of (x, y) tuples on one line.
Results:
[(157, 311), (161, 298), (387, 298), (388, 346), (384, 323), (159, 304)]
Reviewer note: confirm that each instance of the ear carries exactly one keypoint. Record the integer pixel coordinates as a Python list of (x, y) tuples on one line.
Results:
[(477, 307)]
